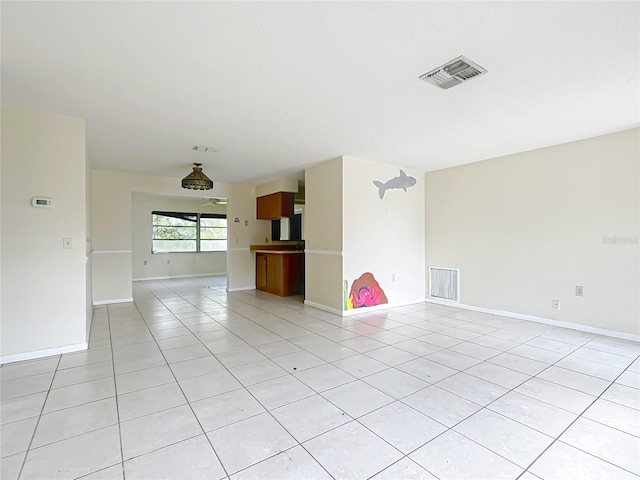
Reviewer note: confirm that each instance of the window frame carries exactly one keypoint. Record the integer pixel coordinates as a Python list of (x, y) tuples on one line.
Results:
[(189, 216)]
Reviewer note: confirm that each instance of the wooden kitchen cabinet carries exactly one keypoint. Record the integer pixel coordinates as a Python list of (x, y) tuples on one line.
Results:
[(280, 273), (276, 205), (261, 271)]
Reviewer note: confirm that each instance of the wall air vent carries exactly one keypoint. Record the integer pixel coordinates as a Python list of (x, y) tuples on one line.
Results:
[(453, 73), (444, 283)]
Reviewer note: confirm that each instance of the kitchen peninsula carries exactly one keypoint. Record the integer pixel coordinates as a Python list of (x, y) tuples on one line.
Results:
[(279, 269)]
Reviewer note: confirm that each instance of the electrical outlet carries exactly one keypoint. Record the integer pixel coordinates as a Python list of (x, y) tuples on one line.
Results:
[(579, 291), (393, 277), (145, 262), (555, 304), (168, 262), (66, 243)]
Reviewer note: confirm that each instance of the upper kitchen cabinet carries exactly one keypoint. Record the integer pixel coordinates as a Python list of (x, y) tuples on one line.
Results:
[(276, 205)]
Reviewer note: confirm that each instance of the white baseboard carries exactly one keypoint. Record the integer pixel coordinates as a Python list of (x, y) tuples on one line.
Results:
[(179, 276), (382, 306), (112, 300), (361, 310), (241, 289), (319, 306), (533, 318), (21, 357)]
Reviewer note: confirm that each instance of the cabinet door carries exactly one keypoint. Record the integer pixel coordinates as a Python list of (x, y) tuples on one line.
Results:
[(275, 275), (293, 274), (261, 271), (274, 206), (265, 207)]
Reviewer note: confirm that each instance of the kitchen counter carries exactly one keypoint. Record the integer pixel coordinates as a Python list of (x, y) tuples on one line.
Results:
[(279, 252)]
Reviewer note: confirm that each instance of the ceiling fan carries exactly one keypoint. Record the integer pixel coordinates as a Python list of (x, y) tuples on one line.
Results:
[(212, 202)]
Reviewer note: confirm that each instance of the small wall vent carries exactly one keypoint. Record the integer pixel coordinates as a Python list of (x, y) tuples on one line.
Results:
[(444, 283), (453, 73)]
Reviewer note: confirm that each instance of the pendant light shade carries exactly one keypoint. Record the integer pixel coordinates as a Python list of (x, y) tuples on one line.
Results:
[(197, 180)]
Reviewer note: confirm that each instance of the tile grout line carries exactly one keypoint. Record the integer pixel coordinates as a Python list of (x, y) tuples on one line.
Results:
[(273, 417), (460, 371), (325, 362), (26, 454), (180, 387), (266, 411), (557, 439), (115, 389), (485, 407), (322, 433)]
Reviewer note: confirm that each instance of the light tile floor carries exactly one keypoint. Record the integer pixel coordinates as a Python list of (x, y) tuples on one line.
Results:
[(192, 382)]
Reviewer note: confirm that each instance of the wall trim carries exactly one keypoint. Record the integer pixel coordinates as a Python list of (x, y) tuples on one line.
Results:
[(241, 289), (533, 318), (20, 357), (113, 300), (319, 306), (382, 306), (103, 252), (180, 276), (361, 310), (324, 252)]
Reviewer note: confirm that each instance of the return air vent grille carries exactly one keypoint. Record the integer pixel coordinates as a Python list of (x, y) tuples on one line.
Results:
[(453, 73), (444, 283)]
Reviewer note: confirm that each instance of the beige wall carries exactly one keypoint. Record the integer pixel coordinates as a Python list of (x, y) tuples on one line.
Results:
[(285, 184), (168, 265), (323, 234), (323, 206), (247, 231), (43, 285), (113, 232), (87, 233), (528, 228)]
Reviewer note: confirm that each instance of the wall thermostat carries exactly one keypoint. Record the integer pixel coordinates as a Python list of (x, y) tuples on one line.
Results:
[(41, 202)]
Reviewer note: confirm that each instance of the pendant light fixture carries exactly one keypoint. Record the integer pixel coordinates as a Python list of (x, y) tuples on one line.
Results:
[(197, 180)]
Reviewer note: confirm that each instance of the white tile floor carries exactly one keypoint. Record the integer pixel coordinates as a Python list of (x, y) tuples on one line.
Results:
[(191, 382)]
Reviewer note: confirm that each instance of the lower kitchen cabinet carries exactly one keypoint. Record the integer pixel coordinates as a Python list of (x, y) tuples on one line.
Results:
[(280, 273)]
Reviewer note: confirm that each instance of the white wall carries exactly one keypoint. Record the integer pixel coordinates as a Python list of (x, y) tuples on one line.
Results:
[(528, 228), (43, 285), (168, 265), (384, 236)]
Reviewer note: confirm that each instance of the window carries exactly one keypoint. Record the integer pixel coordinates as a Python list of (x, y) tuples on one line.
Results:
[(213, 232), (189, 232)]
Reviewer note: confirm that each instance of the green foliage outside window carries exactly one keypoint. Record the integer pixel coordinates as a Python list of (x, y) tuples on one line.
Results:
[(189, 232)]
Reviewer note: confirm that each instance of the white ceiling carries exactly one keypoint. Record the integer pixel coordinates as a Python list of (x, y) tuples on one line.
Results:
[(278, 86)]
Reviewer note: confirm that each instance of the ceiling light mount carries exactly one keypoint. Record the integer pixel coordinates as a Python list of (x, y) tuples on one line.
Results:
[(203, 149), (197, 180)]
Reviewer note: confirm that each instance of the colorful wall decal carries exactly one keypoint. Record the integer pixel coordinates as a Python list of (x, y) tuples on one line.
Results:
[(403, 181), (348, 304), (365, 292)]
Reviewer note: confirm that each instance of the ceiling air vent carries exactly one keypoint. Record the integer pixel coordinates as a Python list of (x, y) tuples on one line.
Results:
[(453, 73)]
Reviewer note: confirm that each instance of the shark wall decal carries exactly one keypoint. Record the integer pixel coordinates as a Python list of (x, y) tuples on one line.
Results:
[(403, 181)]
